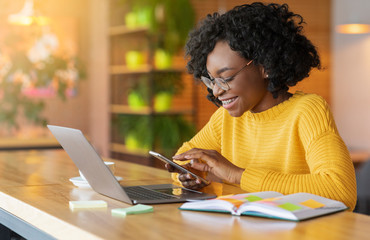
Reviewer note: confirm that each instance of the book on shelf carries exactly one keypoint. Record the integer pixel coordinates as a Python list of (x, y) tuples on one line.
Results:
[(294, 207)]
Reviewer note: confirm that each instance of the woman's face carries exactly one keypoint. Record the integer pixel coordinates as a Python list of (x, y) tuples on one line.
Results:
[(248, 89)]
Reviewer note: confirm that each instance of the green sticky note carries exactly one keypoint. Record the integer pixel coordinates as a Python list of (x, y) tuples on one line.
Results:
[(137, 209), (289, 206), (252, 198)]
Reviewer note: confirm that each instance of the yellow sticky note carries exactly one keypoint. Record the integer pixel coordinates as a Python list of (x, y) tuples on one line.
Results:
[(312, 203), (87, 204)]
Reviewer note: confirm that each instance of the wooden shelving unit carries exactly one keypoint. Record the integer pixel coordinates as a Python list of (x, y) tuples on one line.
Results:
[(122, 77)]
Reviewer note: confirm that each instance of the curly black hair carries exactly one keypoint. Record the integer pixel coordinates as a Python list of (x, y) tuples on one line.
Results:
[(269, 34)]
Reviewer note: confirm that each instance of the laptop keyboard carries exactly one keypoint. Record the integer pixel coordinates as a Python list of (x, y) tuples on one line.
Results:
[(141, 193)]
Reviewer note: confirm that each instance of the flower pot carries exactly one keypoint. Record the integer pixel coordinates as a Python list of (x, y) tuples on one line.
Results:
[(162, 101), (133, 144), (131, 20), (134, 59), (162, 59), (136, 101)]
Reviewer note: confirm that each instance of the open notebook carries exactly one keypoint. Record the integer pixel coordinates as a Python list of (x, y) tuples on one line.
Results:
[(295, 207)]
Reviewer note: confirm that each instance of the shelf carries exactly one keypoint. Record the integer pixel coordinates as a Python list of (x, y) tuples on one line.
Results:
[(124, 109), (122, 69), (123, 30), (145, 68), (121, 148), (125, 76)]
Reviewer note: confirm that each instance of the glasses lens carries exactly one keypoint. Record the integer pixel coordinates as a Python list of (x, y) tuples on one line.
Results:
[(219, 81), (222, 84), (207, 82)]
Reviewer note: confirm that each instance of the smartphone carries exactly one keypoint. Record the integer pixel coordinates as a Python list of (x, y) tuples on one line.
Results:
[(179, 167)]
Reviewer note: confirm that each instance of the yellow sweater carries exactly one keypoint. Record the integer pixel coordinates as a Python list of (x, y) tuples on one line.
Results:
[(292, 147)]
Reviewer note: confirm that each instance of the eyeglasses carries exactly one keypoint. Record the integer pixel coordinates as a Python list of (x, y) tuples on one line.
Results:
[(221, 82)]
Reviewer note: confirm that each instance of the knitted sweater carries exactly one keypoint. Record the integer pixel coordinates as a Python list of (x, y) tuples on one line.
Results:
[(291, 147)]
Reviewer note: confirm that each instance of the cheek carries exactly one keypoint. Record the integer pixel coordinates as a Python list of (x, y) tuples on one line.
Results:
[(252, 90)]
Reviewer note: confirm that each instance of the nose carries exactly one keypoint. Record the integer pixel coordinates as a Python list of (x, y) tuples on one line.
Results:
[(217, 91)]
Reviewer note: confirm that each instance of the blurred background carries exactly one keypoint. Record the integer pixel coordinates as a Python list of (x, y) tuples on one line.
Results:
[(115, 69)]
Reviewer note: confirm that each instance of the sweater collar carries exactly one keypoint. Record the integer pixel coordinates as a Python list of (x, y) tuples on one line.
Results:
[(275, 111)]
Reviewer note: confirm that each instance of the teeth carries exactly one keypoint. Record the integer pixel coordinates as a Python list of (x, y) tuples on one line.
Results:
[(228, 101)]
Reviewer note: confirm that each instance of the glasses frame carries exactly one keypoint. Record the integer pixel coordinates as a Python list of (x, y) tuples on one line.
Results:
[(222, 82)]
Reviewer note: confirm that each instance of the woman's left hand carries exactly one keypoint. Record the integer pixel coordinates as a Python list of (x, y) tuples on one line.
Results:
[(213, 162)]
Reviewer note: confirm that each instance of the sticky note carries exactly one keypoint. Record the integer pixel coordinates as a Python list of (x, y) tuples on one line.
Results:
[(271, 199), (289, 206), (137, 209), (312, 204), (87, 204), (252, 198)]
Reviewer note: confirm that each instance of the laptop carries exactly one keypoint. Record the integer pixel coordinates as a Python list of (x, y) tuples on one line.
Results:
[(102, 180)]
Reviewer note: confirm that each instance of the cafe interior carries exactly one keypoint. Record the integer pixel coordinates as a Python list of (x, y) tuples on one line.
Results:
[(115, 69)]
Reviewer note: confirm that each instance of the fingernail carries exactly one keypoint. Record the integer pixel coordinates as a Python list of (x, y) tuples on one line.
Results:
[(198, 181), (187, 156)]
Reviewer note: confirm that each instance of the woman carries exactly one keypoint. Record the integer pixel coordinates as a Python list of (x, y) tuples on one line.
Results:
[(263, 137)]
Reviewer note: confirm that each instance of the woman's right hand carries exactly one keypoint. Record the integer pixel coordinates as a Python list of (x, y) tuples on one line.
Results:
[(187, 180)]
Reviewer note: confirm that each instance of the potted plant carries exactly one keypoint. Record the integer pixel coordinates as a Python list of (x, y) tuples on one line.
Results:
[(159, 132), (169, 21), (165, 86)]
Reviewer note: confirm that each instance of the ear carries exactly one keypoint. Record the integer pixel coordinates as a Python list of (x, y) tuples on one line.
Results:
[(264, 74)]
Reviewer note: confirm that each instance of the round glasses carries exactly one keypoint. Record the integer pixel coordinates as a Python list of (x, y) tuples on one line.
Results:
[(222, 82)]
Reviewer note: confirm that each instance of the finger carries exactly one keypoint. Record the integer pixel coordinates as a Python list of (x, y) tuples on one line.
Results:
[(200, 166), (205, 155), (185, 177), (193, 184), (181, 156)]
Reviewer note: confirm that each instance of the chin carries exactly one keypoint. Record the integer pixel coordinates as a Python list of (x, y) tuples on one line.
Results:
[(235, 114)]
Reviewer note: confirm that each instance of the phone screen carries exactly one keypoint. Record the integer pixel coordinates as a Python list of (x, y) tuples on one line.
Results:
[(179, 167)]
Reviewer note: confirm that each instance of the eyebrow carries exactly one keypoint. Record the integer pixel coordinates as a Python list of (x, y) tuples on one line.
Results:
[(224, 69)]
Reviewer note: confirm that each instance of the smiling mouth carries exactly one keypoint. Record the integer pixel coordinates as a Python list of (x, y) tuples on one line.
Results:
[(228, 101)]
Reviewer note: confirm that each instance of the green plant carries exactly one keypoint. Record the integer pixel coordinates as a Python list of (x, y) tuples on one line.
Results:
[(163, 82), (169, 21), (160, 132)]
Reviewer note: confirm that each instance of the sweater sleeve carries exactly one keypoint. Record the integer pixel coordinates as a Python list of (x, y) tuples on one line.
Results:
[(331, 169), (332, 174)]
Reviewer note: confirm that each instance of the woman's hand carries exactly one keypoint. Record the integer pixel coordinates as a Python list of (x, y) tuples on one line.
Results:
[(215, 163), (186, 179)]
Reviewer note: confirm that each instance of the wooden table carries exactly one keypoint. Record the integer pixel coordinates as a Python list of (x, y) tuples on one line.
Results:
[(35, 191), (19, 143)]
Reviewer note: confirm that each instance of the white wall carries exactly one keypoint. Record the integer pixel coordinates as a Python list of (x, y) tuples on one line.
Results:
[(351, 75)]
